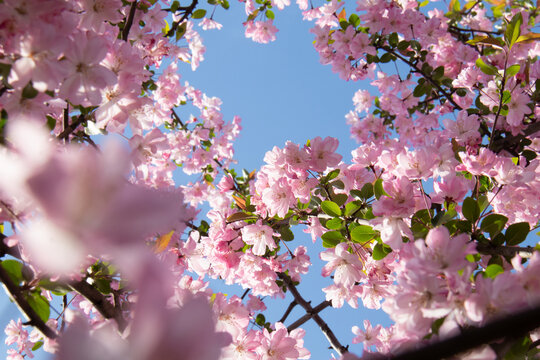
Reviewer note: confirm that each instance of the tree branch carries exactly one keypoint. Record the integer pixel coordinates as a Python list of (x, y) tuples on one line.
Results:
[(425, 76), (100, 302), (69, 129), (322, 324), (288, 312), (317, 309), (129, 21), (188, 10), (507, 251), (22, 303), (510, 327), (503, 143)]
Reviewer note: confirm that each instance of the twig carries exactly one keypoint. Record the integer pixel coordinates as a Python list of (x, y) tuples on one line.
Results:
[(428, 78), (288, 312), (70, 128), (510, 327), (129, 21), (503, 83), (188, 10), (100, 302), (317, 309), (322, 324), (19, 298)]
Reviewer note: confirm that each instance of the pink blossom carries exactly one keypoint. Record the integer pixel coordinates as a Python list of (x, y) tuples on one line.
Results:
[(323, 154), (86, 75), (347, 266), (369, 337), (260, 236), (261, 31), (209, 24)]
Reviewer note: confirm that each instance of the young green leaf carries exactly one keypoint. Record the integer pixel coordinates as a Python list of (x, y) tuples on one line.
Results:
[(517, 233), (331, 238), (331, 208), (493, 224), (362, 233), (198, 14), (378, 189), (513, 30), (486, 68), (470, 209), (493, 270)]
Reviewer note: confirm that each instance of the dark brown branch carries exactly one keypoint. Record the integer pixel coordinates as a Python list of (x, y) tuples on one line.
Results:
[(177, 118), (288, 312), (188, 10), (129, 21), (425, 76), (69, 129), (501, 144), (317, 309), (20, 299), (507, 251), (455, 28), (510, 327), (322, 324), (100, 302)]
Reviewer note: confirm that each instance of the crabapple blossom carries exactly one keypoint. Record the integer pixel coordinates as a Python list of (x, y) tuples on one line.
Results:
[(428, 222)]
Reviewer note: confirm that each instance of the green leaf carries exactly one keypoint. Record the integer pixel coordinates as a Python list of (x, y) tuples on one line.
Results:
[(471, 210), (393, 39), (198, 14), (438, 72), (103, 285), (332, 175), (419, 90), (332, 238), (331, 208), (260, 320), (354, 20), (493, 270), (240, 216), (334, 224), (29, 92), (362, 234), (380, 251), (181, 30), (486, 68), (340, 199), (513, 30), (486, 40), (512, 70), (14, 270), (338, 184), (174, 6), (403, 45), (493, 224), (517, 233), (286, 233), (270, 14), (37, 345), (225, 4), (352, 207), (378, 189), (367, 191), (506, 97), (387, 57), (39, 304)]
